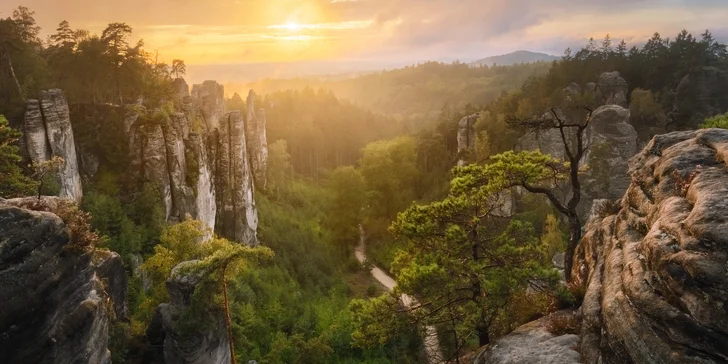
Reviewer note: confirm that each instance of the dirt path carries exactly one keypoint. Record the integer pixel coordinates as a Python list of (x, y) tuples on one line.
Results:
[(432, 343)]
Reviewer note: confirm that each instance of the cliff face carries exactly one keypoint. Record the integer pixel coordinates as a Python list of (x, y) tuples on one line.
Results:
[(48, 132), (655, 267), (237, 216), (257, 141), (56, 302), (203, 346), (209, 102)]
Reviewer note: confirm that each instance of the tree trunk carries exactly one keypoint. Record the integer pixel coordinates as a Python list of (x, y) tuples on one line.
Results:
[(483, 337), (228, 321), (575, 237), (12, 73)]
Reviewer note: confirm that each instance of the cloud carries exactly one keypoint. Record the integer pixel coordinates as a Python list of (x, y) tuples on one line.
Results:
[(220, 31)]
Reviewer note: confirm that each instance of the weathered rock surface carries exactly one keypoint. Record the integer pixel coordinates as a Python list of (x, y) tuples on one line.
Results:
[(48, 133), (237, 214), (613, 89), (155, 168), (204, 346), (183, 196), (656, 271), (209, 102), (205, 201), (466, 137), (612, 141), (531, 343), (55, 301), (257, 141)]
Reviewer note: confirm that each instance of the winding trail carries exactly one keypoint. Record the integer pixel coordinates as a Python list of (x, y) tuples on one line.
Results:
[(432, 342)]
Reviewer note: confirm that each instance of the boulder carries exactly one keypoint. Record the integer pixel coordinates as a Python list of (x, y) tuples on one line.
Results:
[(532, 343), (655, 272), (57, 301)]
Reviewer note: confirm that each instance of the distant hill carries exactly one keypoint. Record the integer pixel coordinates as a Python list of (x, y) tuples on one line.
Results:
[(515, 58)]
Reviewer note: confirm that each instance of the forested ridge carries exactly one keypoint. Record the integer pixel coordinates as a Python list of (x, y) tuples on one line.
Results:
[(378, 151)]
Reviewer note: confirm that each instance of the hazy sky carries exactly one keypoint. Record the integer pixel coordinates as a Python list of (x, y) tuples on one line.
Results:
[(236, 31)]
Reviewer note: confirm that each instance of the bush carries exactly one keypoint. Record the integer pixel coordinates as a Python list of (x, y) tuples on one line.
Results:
[(562, 323)]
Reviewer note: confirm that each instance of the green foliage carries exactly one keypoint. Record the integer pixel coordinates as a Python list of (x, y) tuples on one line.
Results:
[(653, 71), (279, 167), (531, 169), (390, 170), (109, 218), (321, 131), (348, 198), (553, 240), (95, 68), (718, 121), (14, 182), (463, 265), (414, 95), (600, 169)]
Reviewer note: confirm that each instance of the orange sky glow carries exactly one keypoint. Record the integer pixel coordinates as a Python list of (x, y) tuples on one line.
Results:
[(254, 31)]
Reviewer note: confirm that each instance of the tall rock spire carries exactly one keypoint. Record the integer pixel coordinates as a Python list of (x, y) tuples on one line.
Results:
[(257, 141)]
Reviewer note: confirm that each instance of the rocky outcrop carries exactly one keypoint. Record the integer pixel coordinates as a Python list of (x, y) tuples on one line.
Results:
[(612, 140), (202, 163), (155, 168), (257, 141), (204, 345), (57, 301), (194, 154), (532, 343), (699, 95), (613, 89), (175, 132), (466, 137), (48, 133), (655, 268), (237, 215), (209, 103)]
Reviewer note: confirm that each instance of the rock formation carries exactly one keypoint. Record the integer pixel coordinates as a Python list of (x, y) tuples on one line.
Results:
[(699, 95), (57, 302), (209, 102), (613, 89), (204, 345), (257, 141), (612, 140), (204, 162), (48, 133), (466, 137), (532, 343), (237, 216), (655, 267)]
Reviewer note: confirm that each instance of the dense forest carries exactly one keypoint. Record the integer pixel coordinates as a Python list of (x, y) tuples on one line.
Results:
[(377, 151), (414, 95)]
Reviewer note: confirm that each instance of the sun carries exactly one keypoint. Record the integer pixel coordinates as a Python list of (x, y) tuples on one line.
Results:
[(292, 26)]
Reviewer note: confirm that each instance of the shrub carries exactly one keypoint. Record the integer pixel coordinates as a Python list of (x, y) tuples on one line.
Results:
[(563, 323)]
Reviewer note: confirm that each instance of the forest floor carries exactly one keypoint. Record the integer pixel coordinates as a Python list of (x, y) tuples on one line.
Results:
[(432, 342)]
